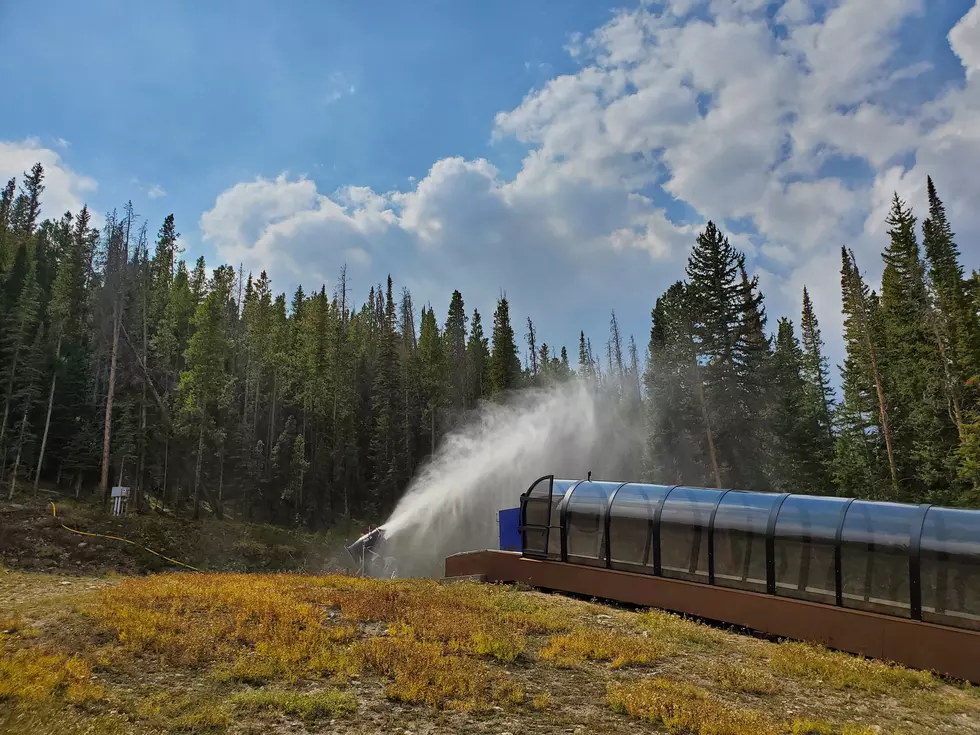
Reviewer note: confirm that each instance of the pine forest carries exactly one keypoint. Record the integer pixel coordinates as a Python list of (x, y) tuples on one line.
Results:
[(205, 391)]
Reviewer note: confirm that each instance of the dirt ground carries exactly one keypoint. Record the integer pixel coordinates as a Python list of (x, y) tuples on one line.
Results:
[(33, 539)]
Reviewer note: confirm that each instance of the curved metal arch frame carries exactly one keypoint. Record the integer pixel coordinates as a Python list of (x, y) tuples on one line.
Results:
[(563, 519), (525, 499), (771, 543), (838, 562), (607, 522), (657, 514), (915, 562), (711, 537)]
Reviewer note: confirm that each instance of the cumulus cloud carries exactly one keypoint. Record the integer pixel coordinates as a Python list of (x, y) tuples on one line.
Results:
[(679, 112), (64, 189), (152, 191)]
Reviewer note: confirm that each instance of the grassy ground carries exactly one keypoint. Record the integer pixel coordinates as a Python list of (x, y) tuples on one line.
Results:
[(287, 653)]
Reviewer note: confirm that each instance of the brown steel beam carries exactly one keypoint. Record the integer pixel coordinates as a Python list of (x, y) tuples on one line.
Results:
[(948, 651)]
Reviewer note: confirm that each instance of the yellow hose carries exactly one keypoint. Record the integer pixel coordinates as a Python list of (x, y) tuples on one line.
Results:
[(54, 512)]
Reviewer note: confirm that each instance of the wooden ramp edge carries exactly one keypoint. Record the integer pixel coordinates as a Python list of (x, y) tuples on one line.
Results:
[(952, 652)]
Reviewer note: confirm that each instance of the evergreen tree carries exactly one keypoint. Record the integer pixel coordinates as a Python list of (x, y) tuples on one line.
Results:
[(547, 370), (6, 210), (205, 383), (816, 374), (433, 374), (386, 393), (724, 327), (956, 326), (616, 367), (680, 444), (754, 446), (23, 350), (17, 342), (27, 206), (863, 457), (798, 436), (455, 343), (504, 367), (477, 362), (923, 435), (413, 401), (534, 366), (118, 355), (586, 365)]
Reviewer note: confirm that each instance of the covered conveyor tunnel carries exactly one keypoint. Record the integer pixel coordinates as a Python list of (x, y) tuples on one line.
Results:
[(841, 567)]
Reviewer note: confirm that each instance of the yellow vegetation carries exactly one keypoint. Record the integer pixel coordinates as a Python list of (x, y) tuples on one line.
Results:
[(181, 711), (34, 675), (816, 665), (743, 677), (813, 727), (421, 672), (53, 719), (306, 705), (190, 644), (590, 644), (687, 634), (683, 708), (195, 619), (282, 628), (541, 701)]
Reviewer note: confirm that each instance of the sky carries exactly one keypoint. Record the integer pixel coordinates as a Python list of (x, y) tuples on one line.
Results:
[(564, 152)]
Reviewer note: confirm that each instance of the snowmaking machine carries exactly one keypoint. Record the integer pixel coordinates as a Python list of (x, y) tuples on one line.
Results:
[(367, 553)]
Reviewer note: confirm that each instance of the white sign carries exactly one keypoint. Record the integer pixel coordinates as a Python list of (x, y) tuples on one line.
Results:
[(119, 497)]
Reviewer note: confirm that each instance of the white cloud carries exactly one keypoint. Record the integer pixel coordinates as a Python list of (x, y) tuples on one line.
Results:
[(64, 189), (338, 87), (701, 102), (964, 39), (289, 228), (794, 12), (152, 191)]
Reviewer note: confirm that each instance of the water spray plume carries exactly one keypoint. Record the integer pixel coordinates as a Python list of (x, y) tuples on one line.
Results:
[(451, 505)]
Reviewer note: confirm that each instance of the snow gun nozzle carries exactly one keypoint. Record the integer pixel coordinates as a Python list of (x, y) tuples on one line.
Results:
[(366, 546)]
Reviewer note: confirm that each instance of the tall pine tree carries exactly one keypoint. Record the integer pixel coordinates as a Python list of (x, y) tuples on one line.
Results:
[(864, 459), (477, 362), (924, 436), (455, 346), (505, 366)]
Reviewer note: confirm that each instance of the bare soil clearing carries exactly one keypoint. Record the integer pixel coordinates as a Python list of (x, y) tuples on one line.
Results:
[(32, 539)]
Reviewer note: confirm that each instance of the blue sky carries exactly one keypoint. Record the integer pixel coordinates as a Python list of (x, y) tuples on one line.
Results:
[(566, 151), (197, 96)]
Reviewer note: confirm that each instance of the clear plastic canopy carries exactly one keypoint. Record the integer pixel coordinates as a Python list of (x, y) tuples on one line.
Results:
[(920, 562)]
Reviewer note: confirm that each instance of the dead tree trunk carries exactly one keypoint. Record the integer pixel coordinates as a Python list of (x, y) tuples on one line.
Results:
[(141, 469), (107, 434), (20, 445), (707, 428), (47, 418), (197, 472), (865, 320), (8, 397)]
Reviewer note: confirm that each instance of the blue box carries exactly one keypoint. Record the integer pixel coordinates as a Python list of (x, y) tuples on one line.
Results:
[(508, 522)]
